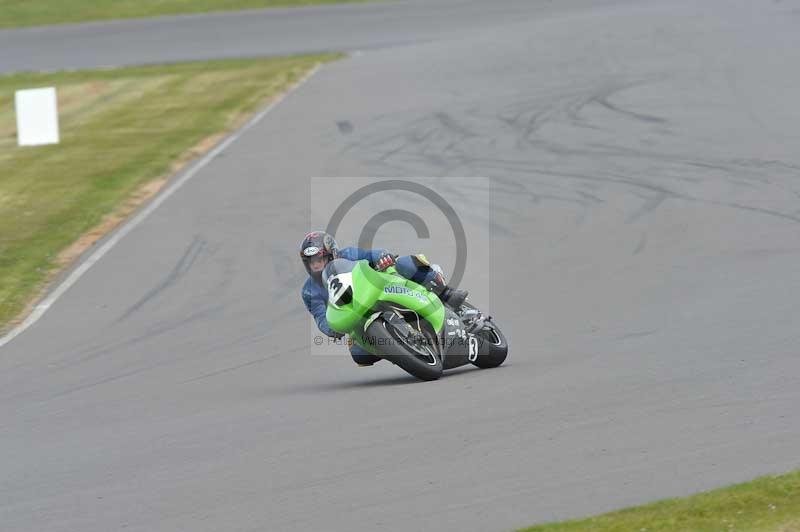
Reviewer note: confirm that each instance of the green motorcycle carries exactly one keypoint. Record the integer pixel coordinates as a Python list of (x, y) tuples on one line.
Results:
[(398, 320)]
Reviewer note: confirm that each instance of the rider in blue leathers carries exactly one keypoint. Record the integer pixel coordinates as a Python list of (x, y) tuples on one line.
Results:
[(318, 248)]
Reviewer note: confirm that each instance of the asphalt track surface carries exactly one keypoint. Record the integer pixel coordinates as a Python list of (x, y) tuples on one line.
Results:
[(646, 174)]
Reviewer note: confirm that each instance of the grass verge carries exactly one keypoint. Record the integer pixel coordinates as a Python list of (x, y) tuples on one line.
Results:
[(766, 504), (18, 13), (123, 132)]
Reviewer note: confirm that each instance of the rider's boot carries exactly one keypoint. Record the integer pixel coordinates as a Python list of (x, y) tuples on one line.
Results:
[(434, 281), (452, 297)]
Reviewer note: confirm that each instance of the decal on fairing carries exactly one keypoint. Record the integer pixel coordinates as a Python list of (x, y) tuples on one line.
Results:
[(473, 349), (405, 291), (337, 286)]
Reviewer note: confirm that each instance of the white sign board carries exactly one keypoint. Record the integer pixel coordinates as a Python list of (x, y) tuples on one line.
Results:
[(37, 117)]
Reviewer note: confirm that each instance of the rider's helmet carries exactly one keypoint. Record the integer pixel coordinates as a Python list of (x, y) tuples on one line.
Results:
[(317, 250)]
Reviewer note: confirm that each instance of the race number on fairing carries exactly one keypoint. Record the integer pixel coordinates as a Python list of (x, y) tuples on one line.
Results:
[(338, 286)]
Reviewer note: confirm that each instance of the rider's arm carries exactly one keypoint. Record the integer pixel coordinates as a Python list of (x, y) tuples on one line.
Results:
[(371, 255), (317, 307)]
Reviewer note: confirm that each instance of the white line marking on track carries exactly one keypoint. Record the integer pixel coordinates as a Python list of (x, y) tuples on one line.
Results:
[(47, 302)]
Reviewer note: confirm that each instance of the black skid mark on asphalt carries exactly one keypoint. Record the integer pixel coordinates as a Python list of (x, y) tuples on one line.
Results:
[(748, 208), (377, 141), (648, 206), (345, 127), (641, 245), (602, 98), (638, 116), (86, 355), (411, 138), (148, 335), (525, 123), (634, 184), (530, 129), (450, 124), (484, 211), (727, 173), (97, 383), (505, 187), (429, 141), (641, 334), (181, 268), (592, 198), (159, 329), (243, 365)]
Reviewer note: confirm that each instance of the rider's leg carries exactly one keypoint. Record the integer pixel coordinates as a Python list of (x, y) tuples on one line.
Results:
[(418, 269), (361, 356)]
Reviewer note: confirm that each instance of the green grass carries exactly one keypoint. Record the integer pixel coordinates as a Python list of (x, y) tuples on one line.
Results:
[(120, 130), (17, 13), (765, 504)]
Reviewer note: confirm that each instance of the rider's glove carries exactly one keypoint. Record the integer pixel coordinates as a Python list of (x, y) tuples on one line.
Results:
[(385, 261)]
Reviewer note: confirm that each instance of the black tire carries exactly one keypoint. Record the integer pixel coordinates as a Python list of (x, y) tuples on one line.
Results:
[(394, 349), (499, 347)]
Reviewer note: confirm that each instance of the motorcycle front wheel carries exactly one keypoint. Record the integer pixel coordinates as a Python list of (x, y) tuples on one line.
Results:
[(498, 345), (393, 339)]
